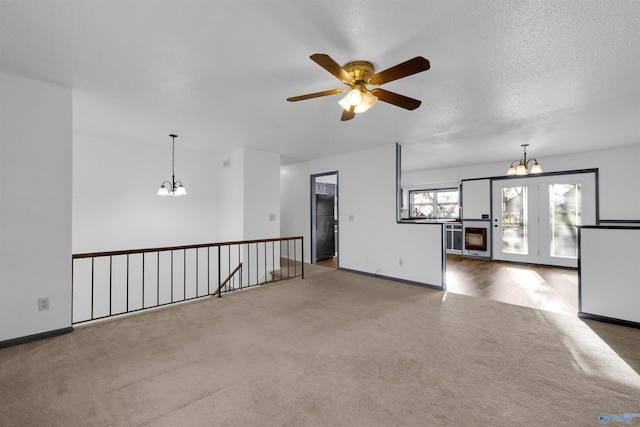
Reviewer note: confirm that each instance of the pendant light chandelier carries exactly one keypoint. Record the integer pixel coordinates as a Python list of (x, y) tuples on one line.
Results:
[(523, 165), (173, 188)]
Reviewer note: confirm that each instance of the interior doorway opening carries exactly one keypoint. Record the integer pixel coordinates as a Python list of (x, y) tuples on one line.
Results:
[(324, 219)]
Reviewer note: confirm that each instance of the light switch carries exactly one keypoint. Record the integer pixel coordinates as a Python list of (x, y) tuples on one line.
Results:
[(43, 304)]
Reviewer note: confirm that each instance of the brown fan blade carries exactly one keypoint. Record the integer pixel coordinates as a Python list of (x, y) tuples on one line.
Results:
[(326, 62), (407, 68), (315, 95), (348, 115), (396, 99)]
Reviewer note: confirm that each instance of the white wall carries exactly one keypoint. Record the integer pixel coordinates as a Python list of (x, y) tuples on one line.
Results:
[(371, 240), (249, 206), (618, 185), (261, 195), (231, 198), (609, 272), (35, 206), (115, 205), (249, 187)]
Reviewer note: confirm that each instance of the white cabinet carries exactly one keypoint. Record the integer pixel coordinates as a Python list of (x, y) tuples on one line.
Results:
[(454, 238), (476, 199)]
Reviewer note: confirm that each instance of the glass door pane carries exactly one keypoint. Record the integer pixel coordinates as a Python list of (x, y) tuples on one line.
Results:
[(514, 220), (565, 213), (567, 201)]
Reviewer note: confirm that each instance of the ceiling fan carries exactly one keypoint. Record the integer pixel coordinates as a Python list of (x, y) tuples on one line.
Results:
[(357, 75)]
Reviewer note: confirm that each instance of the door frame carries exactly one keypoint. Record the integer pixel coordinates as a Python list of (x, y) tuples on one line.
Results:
[(495, 180), (312, 213)]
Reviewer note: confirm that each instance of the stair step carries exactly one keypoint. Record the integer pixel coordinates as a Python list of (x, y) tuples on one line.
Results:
[(288, 270)]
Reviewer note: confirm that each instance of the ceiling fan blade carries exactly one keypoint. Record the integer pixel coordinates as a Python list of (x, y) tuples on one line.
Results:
[(326, 62), (407, 68), (348, 115), (396, 99), (315, 95)]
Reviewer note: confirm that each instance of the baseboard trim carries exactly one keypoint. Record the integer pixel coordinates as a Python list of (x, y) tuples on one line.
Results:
[(395, 279), (35, 337), (606, 319)]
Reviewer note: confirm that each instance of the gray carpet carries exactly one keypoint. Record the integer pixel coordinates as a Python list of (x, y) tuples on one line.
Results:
[(333, 349)]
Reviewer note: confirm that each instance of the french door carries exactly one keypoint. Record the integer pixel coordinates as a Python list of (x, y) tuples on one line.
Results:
[(535, 219)]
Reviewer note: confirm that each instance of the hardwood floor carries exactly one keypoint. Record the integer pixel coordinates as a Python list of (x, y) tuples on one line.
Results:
[(331, 263), (544, 288)]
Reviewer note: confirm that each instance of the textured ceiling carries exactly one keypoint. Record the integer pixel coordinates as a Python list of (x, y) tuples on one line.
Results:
[(563, 76)]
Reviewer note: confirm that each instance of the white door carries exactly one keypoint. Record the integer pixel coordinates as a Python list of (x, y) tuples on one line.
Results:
[(515, 220), (535, 219), (566, 201)]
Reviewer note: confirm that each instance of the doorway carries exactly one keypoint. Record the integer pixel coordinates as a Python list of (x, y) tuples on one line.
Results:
[(324, 219), (535, 219)]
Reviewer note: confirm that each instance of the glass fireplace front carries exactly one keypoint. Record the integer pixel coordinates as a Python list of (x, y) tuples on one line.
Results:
[(475, 238)]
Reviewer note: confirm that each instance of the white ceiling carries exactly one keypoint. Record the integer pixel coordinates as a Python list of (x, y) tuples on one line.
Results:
[(562, 75)]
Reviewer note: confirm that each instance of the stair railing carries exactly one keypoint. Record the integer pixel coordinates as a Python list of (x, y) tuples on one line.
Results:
[(106, 284)]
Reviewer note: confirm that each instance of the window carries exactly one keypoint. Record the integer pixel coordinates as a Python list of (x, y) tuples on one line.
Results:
[(442, 203)]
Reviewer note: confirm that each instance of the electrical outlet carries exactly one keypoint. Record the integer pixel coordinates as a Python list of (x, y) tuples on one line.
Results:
[(400, 262), (43, 304), (351, 218), (272, 217)]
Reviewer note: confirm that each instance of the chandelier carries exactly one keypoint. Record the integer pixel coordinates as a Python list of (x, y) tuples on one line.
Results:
[(173, 188), (523, 165)]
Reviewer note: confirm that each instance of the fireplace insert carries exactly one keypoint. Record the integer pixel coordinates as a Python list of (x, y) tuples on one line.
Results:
[(475, 238)]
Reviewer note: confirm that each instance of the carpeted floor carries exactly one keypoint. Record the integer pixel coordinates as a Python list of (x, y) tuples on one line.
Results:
[(333, 349)]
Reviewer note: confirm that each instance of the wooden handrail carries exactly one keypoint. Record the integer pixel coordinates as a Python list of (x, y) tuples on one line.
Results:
[(173, 248), (225, 281)]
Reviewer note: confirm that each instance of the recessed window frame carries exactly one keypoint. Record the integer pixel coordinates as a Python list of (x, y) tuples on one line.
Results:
[(432, 208)]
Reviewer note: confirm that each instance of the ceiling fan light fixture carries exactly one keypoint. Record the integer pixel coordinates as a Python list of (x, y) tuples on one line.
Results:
[(344, 103), (355, 97), (357, 75), (351, 99), (368, 101), (364, 98)]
